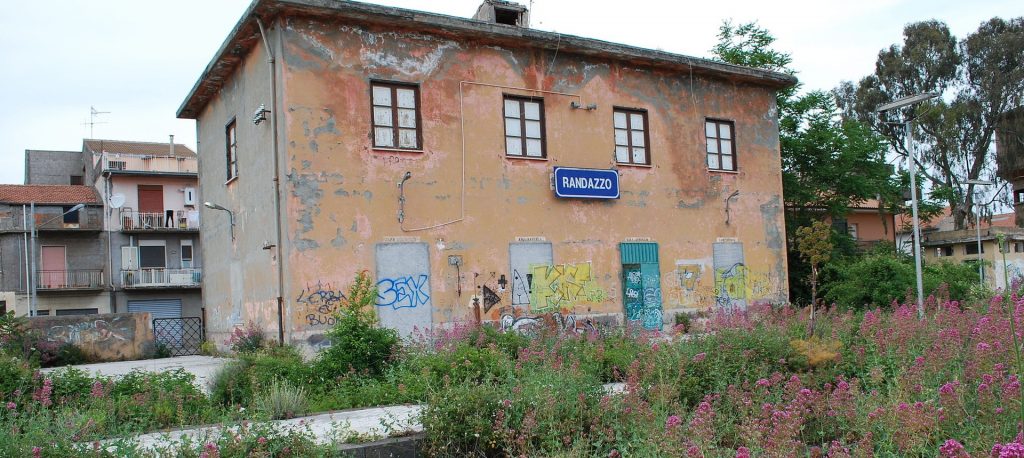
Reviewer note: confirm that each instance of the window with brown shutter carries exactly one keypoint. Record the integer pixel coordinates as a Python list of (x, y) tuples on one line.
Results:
[(721, 144), (396, 116), (524, 127), (631, 137)]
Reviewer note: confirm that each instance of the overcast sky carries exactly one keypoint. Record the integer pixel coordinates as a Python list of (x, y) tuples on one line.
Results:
[(138, 60)]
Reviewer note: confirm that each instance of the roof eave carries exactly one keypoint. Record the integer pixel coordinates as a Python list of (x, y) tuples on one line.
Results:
[(233, 49)]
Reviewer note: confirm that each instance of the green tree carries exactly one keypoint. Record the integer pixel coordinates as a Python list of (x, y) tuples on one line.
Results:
[(829, 163), (814, 243), (979, 78)]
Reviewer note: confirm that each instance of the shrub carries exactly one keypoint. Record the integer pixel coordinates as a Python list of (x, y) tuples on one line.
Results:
[(237, 383), (357, 344), (15, 374), (881, 278), (282, 401), (248, 339)]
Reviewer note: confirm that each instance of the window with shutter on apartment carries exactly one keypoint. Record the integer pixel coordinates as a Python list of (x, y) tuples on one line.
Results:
[(396, 116), (231, 150)]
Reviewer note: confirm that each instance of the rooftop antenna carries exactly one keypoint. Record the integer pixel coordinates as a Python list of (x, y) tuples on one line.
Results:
[(92, 119)]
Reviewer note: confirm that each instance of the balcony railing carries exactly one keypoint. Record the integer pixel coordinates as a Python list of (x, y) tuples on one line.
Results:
[(170, 220), (161, 278), (150, 164), (50, 280)]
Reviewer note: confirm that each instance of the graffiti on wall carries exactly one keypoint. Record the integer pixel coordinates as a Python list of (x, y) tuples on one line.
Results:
[(410, 291), (560, 286), (92, 332), (320, 302), (490, 298), (529, 324), (520, 288), (730, 285), (642, 297)]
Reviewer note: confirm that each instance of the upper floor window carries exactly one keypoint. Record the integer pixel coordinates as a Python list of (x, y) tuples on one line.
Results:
[(75, 179), (972, 248), (944, 251), (70, 217), (631, 136), (721, 145), (231, 150), (524, 127), (396, 116), (852, 230), (1018, 196)]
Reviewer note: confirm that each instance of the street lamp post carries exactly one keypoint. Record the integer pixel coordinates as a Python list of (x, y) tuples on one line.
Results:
[(912, 169), (33, 306), (977, 227), (231, 216)]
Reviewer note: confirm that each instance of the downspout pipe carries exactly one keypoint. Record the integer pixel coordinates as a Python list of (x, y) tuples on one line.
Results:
[(272, 62)]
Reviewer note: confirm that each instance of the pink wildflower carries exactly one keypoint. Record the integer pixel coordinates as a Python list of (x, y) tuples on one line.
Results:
[(699, 357), (1009, 450), (11, 406), (37, 452), (952, 449), (673, 421), (262, 440), (982, 346), (742, 452), (43, 394)]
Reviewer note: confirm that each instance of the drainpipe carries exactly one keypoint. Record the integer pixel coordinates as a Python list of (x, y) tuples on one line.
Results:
[(277, 179)]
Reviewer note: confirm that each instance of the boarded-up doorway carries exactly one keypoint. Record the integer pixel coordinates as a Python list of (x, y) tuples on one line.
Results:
[(521, 256), (403, 287), (54, 267), (730, 275)]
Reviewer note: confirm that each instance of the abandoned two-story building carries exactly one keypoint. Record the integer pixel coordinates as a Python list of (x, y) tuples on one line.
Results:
[(477, 169)]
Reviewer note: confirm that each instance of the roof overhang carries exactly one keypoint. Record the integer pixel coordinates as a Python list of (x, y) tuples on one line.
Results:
[(245, 35)]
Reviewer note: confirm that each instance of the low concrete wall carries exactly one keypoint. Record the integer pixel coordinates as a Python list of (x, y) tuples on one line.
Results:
[(105, 337)]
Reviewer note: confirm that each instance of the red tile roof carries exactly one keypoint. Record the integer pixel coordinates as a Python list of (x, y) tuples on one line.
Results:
[(140, 148), (48, 194)]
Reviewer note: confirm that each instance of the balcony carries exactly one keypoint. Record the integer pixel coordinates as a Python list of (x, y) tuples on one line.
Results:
[(168, 221), (68, 280), (148, 165), (161, 278)]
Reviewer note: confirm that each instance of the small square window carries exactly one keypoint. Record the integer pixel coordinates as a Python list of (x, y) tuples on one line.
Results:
[(852, 230), (631, 139), (1018, 196), (721, 144), (524, 127), (396, 116)]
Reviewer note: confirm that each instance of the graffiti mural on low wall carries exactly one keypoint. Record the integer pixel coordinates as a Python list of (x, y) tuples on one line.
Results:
[(107, 337)]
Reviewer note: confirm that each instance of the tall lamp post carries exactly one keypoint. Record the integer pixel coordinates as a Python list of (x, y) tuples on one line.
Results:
[(977, 227), (33, 306), (912, 169)]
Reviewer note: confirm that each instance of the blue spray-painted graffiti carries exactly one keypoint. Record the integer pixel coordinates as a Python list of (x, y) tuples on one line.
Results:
[(403, 292)]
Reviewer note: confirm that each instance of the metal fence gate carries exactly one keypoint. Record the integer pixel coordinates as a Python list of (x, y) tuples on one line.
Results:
[(181, 336)]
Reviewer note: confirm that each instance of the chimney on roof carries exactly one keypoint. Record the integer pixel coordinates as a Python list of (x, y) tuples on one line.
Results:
[(503, 12), (172, 145)]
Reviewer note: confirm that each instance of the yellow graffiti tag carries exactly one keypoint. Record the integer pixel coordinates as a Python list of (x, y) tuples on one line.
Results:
[(563, 286)]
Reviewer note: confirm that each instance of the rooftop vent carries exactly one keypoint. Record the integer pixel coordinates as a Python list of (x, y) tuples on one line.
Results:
[(503, 12)]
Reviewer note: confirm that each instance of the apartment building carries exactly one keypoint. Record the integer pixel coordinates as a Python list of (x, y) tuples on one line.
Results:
[(133, 247), (478, 169)]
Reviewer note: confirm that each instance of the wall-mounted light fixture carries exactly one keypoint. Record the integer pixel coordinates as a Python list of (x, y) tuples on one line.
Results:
[(260, 115), (231, 216)]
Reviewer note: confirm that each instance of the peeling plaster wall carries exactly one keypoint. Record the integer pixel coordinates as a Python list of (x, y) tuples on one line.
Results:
[(239, 277), (342, 196)]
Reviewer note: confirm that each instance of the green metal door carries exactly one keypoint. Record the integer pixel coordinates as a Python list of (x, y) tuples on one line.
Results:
[(641, 284)]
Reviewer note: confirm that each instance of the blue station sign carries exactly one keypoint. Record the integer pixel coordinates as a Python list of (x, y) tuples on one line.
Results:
[(577, 183)]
